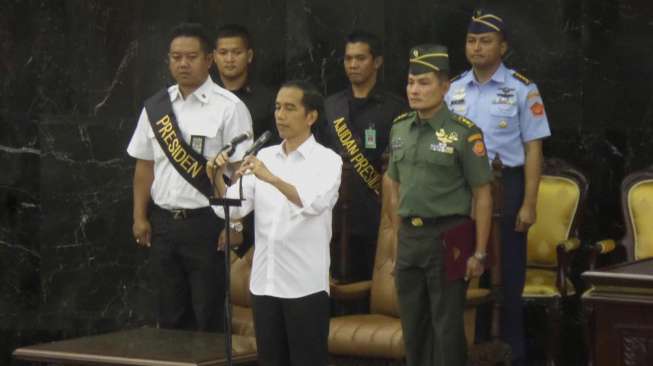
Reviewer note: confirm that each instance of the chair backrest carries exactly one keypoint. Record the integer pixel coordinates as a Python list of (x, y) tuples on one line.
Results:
[(637, 204), (559, 202), (383, 299), (241, 269)]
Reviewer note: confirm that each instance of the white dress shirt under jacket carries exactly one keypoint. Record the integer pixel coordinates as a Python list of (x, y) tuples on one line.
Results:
[(211, 112), (291, 255)]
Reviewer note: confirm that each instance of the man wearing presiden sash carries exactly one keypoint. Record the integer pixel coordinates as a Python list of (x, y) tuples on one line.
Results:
[(178, 130)]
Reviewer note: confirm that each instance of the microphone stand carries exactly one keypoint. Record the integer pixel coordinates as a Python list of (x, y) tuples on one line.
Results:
[(227, 203)]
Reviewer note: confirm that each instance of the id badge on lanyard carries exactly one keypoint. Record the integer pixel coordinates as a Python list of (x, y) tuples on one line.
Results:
[(370, 137)]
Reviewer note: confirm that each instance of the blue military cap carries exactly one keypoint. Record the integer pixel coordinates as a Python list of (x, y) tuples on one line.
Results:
[(428, 57), (485, 22)]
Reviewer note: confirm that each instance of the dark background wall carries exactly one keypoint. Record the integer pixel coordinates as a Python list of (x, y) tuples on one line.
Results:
[(74, 74)]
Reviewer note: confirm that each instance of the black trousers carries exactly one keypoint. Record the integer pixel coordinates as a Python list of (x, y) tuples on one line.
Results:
[(513, 264), (292, 332), (513, 269), (362, 250), (187, 270)]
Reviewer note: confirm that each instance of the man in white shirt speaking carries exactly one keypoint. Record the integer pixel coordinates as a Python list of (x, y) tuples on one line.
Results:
[(292, 188)]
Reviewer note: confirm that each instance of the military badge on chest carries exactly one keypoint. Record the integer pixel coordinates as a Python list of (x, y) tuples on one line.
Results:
[(444, 141), (505, 96)]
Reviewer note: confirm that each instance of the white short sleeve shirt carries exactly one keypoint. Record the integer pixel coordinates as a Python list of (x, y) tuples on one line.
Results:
[(210, 113)]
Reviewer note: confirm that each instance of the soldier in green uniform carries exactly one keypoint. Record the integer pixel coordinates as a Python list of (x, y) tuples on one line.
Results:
[(438, 170)]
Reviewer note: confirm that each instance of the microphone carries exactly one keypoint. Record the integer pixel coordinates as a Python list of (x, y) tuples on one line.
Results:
[(230, 148), (258, 144)]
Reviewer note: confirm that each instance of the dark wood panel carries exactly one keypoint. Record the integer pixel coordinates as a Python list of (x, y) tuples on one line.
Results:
[(619, 315), (143, 347)]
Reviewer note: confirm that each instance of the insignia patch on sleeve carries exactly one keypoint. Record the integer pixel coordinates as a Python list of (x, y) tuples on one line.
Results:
[(537, 109), (479, 148), (533, 94), (476, 136)]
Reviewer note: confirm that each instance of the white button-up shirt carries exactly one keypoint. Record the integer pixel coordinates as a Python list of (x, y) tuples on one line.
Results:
[(211, 112), (291, 255)]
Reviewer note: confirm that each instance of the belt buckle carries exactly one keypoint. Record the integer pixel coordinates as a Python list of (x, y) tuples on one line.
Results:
[(179, 214), (417, 221)]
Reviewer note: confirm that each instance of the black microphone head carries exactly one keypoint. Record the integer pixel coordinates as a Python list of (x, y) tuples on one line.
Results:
[(230, 148), (240, 138), (258, 144), (265, 136)]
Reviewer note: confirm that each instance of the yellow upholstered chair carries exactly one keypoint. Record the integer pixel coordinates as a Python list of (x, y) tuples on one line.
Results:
[(637, 208), (377, 336), (552, 241)]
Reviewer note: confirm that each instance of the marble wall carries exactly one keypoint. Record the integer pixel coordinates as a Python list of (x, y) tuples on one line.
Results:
[(74, 73)]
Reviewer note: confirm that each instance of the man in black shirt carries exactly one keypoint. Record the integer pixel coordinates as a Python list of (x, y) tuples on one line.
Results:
[(233, 55), (359, 119)]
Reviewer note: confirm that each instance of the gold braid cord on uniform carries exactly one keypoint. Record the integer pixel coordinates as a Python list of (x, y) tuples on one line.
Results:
[(421, 60), (362, 165), (481, 19)]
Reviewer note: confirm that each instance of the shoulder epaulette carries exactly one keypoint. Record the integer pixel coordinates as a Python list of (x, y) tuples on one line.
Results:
[(521, 78), (456, 77), (403, 117), (463, 121)]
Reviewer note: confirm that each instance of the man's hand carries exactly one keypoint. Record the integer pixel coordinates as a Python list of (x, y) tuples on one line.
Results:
[(235, 238), (251, 165), (142, 231), (525, 218), (475, 268), (217, 166)]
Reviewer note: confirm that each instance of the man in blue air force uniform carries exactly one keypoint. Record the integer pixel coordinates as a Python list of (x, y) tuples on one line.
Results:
[(509, 110)]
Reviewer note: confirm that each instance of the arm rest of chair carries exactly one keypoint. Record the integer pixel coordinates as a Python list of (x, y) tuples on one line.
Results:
[(605, 246), (565, 250), (569, 244), (601, 247), (351, 291)]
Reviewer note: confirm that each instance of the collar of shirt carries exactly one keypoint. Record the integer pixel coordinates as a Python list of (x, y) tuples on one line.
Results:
[(201, 93), (247, 88), (499, 75), (437, 121), (304, 150), (376, 94)]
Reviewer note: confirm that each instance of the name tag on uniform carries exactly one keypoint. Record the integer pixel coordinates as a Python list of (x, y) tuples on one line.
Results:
[(197, 143), (370, 137), (442, 147)]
